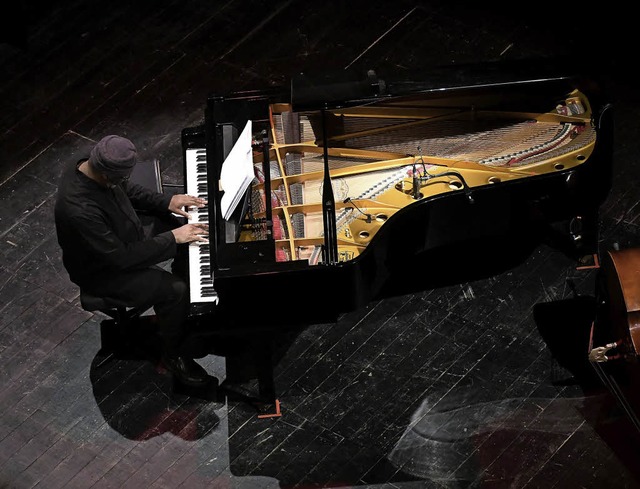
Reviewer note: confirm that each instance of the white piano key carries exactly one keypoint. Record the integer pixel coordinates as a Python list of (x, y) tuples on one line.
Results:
[(200, 283)]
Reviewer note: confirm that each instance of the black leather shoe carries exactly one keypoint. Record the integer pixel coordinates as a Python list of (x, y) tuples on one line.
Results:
[(186, 371)]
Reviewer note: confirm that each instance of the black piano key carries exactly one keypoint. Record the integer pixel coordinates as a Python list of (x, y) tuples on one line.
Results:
[(201, 190)]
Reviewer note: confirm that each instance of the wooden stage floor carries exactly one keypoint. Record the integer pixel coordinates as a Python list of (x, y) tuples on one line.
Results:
[(479, 384)]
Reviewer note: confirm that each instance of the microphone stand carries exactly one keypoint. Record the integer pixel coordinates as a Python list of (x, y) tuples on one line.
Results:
[(328, 205)]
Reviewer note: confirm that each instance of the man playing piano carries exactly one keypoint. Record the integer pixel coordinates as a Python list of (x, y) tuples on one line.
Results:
[(109, 253)]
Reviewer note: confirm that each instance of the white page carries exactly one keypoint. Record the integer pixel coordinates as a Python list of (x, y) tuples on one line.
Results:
[(237, 172)]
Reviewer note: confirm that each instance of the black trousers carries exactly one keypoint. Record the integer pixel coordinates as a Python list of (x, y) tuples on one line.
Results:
[(167, 292)]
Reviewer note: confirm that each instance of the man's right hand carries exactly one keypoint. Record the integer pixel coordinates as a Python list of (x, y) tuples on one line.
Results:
[(191, 232)]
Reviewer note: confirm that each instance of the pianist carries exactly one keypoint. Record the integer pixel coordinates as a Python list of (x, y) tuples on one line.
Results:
[(108, 253)]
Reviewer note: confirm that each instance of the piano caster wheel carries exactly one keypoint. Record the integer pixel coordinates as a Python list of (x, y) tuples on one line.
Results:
[(588, 262), (271, 410)]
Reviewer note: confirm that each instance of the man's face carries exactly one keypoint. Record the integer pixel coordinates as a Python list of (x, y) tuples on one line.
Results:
[(115, 181)]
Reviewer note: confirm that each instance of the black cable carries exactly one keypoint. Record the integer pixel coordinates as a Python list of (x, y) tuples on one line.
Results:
[(421, 160), (467, 189), (368, 216)]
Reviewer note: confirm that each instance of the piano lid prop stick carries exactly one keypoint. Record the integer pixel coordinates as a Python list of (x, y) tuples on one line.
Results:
[(266, 169)]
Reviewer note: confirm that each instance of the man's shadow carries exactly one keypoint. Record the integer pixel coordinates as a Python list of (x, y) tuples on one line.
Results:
[(140, 400)]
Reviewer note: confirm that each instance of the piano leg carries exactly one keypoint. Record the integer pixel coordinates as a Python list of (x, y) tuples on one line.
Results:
[(588, 248), (266, 386), (576, 237), (249, 373)]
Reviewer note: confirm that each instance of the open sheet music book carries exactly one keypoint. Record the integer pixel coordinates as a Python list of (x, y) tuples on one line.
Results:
[(237, 172)]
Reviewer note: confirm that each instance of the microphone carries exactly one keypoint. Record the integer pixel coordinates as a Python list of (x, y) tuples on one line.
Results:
[(416, 184), (369, 217)]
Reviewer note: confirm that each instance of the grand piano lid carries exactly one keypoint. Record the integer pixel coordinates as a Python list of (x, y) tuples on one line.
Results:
[(349, 88)]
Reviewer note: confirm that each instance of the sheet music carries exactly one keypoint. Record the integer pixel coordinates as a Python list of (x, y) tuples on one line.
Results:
[(237, 172)]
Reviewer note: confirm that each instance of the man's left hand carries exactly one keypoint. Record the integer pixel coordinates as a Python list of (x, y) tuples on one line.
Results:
[(180, 202)]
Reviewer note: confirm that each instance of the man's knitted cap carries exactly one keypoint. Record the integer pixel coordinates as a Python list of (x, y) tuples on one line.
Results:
[(114, 156)]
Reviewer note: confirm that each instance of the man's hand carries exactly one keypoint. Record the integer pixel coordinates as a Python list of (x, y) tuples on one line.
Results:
[(180, 201), (191, 232)]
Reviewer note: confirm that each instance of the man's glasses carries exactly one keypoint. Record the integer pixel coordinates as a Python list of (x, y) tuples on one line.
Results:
[(117, 181)]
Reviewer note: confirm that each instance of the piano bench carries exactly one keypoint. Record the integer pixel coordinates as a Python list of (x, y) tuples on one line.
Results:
[(115, 333)]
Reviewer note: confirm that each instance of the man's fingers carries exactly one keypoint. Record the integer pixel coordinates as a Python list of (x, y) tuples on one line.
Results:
[(199, 235), (200, 232), (197, 201), (201, 226)]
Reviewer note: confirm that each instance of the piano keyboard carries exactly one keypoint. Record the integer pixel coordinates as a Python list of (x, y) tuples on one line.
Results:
[(200, 272)]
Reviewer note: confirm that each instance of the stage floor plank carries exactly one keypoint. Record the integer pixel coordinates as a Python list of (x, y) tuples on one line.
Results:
[(454, 387)]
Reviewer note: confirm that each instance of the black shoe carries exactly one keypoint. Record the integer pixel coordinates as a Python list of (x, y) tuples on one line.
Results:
[(186, 371)]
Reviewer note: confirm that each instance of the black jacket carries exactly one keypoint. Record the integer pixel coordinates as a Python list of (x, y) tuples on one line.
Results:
[(99, 231)]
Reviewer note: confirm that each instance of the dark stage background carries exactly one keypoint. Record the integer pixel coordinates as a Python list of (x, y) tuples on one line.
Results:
[(483, 383)]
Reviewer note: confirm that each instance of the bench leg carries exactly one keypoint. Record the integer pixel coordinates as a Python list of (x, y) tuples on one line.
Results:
[(112, 336)]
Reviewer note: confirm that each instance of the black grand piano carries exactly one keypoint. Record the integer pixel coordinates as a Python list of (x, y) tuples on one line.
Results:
[(338, 190)]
